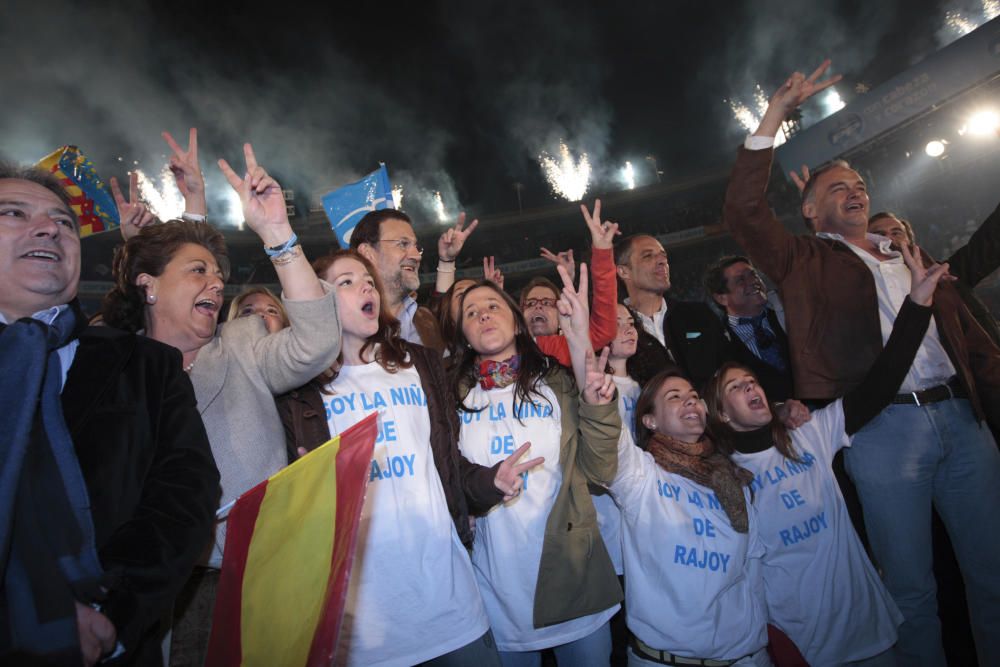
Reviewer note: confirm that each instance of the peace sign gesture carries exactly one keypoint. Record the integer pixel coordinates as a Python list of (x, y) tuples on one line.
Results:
[(796, 90), (451, 241), (186, 169), (574, 311), (923, 281), (263, 204), (602, 234), (598, 386), (133, 214), (508, 478)]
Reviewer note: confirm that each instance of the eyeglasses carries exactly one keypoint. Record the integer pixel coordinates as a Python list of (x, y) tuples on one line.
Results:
[(405, 245), (544, 303)]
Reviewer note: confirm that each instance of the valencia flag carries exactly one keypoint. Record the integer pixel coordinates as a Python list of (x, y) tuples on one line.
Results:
[(289, 548)]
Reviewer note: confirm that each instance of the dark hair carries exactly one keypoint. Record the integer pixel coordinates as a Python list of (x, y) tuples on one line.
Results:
[(38, 176), (535, 366), (907, 227), (722, 433), (441, 309), (537, 281), (369, 228), (810, 185), (623, 249), (647, 399), (150, 251), (715, 276), (391, 353)]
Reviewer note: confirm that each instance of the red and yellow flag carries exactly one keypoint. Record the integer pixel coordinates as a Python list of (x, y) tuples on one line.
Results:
[(90, 198), (289, 549)]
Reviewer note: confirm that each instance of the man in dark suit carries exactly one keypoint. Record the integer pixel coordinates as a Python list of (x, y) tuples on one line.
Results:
[(107, 482), (756, 336), (684, 333)]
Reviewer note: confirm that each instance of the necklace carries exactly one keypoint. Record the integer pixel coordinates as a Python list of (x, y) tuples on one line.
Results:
[(187, 369)]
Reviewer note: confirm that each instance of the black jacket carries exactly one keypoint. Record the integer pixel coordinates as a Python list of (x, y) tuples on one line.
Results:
[(777, 384), (150, 474)]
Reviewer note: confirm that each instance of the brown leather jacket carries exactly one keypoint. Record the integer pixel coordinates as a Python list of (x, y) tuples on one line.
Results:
[(467, 487), (831, 305)]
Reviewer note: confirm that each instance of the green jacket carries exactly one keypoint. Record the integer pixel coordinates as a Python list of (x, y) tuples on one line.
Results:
[(575, 574)]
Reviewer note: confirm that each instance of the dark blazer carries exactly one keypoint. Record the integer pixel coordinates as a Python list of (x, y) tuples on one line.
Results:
[(153, 484), (468, 488), (831, 304), (696, 340), (777, 384)]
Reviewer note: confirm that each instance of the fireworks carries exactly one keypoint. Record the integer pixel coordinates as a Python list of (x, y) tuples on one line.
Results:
[(832, 103), (567, 177), (959, 24), (397, 197), (749, 118), (233, 206), (439, 207), (165, 202), (628, 175)]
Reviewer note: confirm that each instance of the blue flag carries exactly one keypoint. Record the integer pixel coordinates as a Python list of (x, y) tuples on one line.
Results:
[(347, 205)]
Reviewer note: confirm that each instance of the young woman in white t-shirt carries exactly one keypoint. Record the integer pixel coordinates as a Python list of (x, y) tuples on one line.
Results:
[(693, 589), (413, 597), (545, 575), (821, 590)]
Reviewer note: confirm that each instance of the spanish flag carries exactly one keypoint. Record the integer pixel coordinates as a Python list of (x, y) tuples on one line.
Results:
[(89, 196), (289, 549)]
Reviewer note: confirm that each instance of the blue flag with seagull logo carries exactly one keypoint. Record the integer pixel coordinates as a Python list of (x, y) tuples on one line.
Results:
[(347, 205)]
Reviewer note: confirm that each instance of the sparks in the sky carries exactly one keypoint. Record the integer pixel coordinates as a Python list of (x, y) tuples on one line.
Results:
[(397, 197), (567, 177), (748, 118), (628, 175), (832, 103), (165, 201), (439, 207)]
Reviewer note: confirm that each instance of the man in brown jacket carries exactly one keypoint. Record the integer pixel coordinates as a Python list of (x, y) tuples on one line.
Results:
[(842, 289)]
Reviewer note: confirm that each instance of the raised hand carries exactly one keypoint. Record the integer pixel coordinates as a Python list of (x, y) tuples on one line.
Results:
[(796, 90), (563, 259), (263, 204), (508, 478), (923, 281), (574, 311), (602, 234), (451, 241), (187, 171), (132, 213), (800, 181), (492, 272), (599, 386)]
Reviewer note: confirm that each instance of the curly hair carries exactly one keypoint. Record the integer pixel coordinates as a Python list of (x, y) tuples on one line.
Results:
[(149, 251), (391, 352), (535, 365)]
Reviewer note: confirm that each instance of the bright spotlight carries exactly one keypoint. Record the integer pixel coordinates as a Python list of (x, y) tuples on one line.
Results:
[(983, 123), (935, 148)]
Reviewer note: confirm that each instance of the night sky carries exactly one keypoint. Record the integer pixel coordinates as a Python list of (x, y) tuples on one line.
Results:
[(458, 97)]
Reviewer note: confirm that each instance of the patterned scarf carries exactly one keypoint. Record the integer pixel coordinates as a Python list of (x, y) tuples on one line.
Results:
[(499, 374), (702, 463)]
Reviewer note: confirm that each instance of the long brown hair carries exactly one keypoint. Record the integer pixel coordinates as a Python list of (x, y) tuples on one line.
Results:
[(150, 251), (722, 433), (391, 354), (535, 365)]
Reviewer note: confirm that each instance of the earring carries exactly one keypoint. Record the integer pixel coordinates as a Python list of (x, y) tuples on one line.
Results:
[(151, 298)]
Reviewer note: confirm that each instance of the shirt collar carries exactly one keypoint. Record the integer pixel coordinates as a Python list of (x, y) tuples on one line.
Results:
[(661, 311), (46, 316), (883, 243)]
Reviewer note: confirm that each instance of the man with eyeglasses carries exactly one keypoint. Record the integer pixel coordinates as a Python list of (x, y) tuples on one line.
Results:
[(755, 332), (387, 239)]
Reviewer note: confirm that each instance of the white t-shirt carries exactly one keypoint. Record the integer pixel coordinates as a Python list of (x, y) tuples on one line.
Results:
[(609, 519), (821, 589), (412, 594), (692, 584), (508, 546)]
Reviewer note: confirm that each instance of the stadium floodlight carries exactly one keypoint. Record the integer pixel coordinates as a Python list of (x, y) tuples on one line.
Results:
[(936, 147), (982, 124)]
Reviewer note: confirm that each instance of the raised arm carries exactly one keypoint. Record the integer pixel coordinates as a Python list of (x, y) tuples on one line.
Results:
[(604, 309), (187, 174), (981, 255), (746, 212), (450, 245), (869, 398)]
